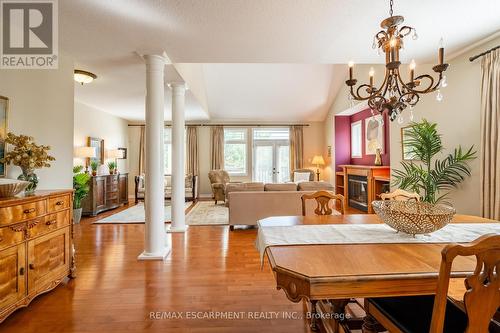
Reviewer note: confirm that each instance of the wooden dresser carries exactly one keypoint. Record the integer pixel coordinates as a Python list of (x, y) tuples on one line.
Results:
[(36, 246), (106, 192)]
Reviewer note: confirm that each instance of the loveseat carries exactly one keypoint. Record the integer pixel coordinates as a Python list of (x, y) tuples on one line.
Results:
[(190, 187), (250, 202)]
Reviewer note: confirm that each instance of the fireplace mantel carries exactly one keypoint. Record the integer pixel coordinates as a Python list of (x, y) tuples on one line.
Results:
[(378, 178)]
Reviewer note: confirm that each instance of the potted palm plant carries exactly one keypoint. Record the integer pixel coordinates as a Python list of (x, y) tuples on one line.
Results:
[(112, 167), (430, 177), (94, 165), (81, 187)]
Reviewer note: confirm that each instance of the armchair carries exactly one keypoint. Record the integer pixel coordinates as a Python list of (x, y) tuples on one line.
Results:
[(218, 181), (299, 172)]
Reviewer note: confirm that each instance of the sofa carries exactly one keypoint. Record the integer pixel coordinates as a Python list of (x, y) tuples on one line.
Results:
[(251, 202), (190, 187)]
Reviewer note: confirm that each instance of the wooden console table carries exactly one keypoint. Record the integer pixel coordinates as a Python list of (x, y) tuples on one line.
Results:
[(36, 246), (377, 177), (106, 192)]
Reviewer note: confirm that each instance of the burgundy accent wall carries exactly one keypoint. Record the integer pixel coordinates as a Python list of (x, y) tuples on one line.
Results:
[(343, 140)]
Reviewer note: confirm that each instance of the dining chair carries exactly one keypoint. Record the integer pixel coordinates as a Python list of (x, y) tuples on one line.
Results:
[(400, 194), (438, 314), (323, 199)]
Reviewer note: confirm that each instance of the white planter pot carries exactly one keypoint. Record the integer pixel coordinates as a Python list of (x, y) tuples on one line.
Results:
[(77, 215)]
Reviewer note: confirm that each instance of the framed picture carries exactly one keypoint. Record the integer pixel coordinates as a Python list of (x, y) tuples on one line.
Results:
[(4, 111), (406, 154), (374, 135), (124, 150), (98, 144)]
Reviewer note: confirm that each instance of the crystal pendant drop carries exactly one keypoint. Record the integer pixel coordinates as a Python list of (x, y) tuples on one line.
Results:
[(439, 96), (414, 36), (381, 120), (444, 83), (412, 116), (374, 45), (400, 119)]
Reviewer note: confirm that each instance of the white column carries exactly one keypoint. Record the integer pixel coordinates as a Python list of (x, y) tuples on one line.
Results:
[(178, 158), (155, 247)]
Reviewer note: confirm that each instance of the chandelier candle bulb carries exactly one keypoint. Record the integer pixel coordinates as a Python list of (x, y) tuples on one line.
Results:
[(351, 65), (372, 74), (412, 70), (441, 51)]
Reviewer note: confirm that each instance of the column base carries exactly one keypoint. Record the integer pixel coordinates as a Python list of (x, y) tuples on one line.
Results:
[(171, 229), (154, 256)]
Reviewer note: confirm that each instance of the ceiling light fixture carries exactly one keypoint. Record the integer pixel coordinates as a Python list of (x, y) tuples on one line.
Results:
[(83, 77), (394, 94)]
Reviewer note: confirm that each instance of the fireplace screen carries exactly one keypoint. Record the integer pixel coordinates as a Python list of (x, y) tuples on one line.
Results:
[(358, 192)]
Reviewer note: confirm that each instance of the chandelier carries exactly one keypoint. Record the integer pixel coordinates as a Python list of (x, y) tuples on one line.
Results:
[(394, 94)]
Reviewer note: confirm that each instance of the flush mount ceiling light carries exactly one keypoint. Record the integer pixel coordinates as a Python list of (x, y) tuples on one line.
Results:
[(394, 94), (83, 77)]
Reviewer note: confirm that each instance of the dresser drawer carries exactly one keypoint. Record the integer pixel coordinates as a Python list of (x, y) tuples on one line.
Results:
[(58, 203), (12, 235), (49, 223), (19, 213)]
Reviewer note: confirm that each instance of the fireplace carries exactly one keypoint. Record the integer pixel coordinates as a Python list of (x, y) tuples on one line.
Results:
[(358, 192)]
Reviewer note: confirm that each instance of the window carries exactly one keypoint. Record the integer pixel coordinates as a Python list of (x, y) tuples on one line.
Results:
[(356, 138), (271, 149), (235, 151)]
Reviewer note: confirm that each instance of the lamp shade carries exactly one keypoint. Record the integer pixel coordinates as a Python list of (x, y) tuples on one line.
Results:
[(115, 153), (85, 152), (318, 160)]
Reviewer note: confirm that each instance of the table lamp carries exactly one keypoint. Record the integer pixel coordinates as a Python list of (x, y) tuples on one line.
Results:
[(86, 153), (318, 160)]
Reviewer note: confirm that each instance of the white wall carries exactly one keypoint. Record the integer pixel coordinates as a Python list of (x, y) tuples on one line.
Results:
[(457, 116), (41, 105), (92, 122)]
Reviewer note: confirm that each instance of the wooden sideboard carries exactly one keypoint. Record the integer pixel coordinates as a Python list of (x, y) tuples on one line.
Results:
[(106, 192), (36, 246), (378, 178)]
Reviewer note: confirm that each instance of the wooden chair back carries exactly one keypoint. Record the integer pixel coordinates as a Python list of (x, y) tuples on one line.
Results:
[(400, 194), (323, 199), (482, 298)]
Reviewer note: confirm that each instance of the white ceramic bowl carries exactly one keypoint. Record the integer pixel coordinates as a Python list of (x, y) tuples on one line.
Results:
[(11, 187)]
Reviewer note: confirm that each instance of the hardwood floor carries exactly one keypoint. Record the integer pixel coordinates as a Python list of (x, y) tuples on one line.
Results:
[(209, 269)]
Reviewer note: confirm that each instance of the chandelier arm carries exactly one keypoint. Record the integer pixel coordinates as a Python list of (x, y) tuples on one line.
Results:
[(405, 31), (358, 97), (430, 88), (398, 75), (408, 88)]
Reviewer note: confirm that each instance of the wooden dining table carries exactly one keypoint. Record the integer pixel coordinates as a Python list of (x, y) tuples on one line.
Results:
[(329, 274)]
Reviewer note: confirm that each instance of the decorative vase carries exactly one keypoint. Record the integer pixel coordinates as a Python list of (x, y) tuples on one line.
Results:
[(378, 158), (77, 215), (31, 177), (94, 173)]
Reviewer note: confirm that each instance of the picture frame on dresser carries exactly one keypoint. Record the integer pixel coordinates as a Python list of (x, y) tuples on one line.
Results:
[(98, 144), (4, 111)]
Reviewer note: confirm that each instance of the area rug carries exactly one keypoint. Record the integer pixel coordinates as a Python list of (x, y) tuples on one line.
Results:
[(208, 213), (136, 214)]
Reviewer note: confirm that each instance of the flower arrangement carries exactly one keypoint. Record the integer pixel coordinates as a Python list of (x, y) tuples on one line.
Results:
[(26, 154), (29, 156)]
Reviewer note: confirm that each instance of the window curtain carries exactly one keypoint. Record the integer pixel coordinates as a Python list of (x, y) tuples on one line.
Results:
[(296, 148), (217, 147), (142, 151), (490, 135), (192, 161)]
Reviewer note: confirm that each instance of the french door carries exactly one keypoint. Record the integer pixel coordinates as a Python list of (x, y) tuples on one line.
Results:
[(271, 161)]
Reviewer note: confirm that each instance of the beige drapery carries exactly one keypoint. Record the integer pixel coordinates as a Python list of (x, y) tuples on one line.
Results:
[(296, 148), (490, 135), (192, 161), (141, 151), (217, 147)]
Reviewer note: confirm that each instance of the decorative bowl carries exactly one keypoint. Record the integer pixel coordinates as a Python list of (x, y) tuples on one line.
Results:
[(11, 187), (413, 217)]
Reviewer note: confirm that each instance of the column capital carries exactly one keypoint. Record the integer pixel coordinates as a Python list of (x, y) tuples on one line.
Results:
[(155, 61), (177, 85)]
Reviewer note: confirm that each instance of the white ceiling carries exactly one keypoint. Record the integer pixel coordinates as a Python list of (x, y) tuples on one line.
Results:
[(103, 36)]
